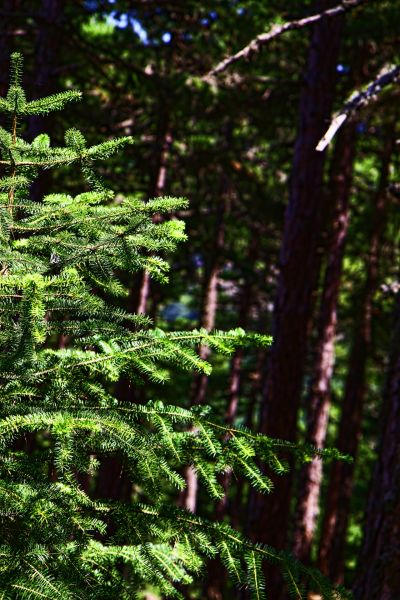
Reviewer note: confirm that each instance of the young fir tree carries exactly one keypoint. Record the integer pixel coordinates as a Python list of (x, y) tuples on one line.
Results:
[(61, 264)]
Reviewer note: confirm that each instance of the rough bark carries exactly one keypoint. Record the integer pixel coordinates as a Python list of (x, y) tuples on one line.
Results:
[(335, 521), (298, 273), (318, 402), (379, 573)]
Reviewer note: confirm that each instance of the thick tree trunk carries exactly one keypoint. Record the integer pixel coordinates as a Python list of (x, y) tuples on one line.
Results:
[(299, 262), (334, 528), (47, 59), (379, 572), (319, 398), (8, 32)]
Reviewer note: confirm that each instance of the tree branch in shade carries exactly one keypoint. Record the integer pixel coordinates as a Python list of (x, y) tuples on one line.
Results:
[(389, 74), (276, 30)]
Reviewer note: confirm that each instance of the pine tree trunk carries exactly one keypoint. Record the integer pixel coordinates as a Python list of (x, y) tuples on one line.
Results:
[(7, 41), (243, 318), (210, 304), (299, 262), (379, 573), (318, 403), (157, 188), (217, 575), (47, 55), (335, 521), (48, 46), (208, 316)]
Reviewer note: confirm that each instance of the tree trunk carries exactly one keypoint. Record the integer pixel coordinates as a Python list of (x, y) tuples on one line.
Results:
[(48, 46), (8, 32), (319, 398), (210, 301), (243, 318), (208, 316), (334, 528), (141, 294), (379, 573), (217, 575), (299, 263)]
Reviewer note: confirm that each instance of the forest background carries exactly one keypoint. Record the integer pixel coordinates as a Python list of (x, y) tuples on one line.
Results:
[(283, 239)]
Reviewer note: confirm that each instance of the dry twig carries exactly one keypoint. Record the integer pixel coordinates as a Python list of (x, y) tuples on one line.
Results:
[(358, 100), (276, 30)]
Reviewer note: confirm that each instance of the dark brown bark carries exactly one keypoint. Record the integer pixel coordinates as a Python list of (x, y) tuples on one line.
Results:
[(319, 400), (334, 528), (47, 49), (47, 57), (379, 572), (8, 32), (299, 262)]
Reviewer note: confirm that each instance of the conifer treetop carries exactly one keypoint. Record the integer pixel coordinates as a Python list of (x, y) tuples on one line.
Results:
[(64, 263)]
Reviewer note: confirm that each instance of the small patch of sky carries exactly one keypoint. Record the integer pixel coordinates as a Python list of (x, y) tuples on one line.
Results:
[(179, 310), (140, 31), (197, 260), (122, 21), (119, 20), (91, 5), (205, 21), (342, 69), (240, 10), (213, 15), (361, 127), (166, 37)]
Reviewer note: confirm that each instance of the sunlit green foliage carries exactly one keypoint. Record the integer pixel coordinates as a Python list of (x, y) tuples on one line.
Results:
[(61, 263)]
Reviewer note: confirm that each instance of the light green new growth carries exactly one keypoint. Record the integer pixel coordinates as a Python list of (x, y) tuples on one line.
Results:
[(60, 263)]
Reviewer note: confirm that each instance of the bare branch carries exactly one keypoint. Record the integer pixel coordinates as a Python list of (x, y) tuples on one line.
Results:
[(276, 30), (358, 100)]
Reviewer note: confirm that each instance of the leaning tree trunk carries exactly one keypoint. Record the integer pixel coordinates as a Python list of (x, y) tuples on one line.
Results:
[(299, 261), (335, 521), (319, 398), (378, 567)]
